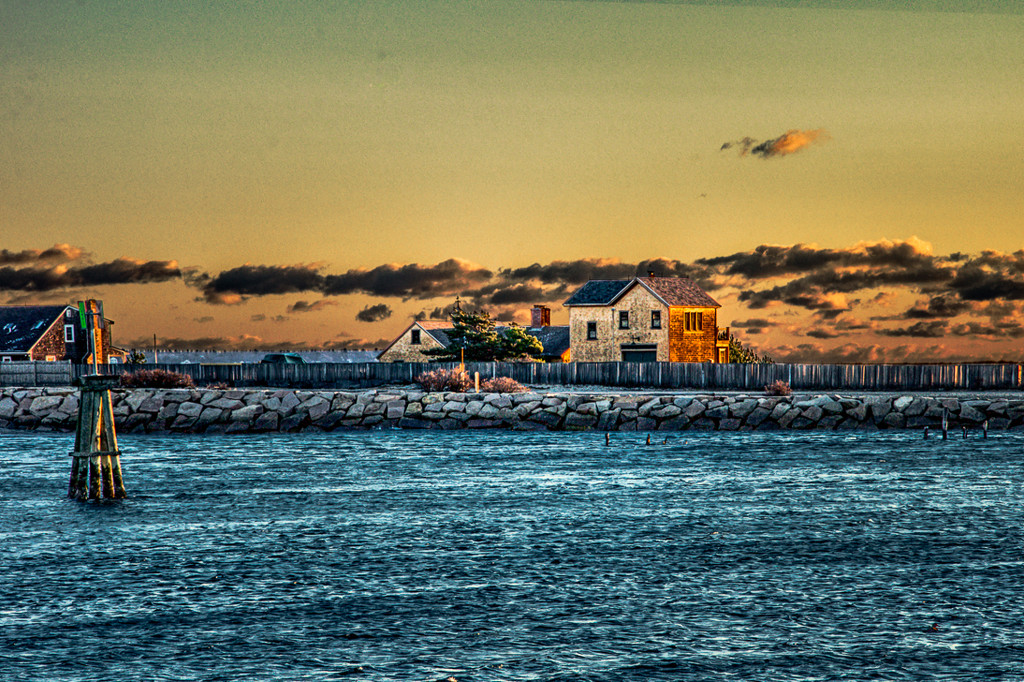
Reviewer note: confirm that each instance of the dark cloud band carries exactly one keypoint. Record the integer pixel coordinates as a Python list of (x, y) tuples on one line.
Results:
[(120, 271)]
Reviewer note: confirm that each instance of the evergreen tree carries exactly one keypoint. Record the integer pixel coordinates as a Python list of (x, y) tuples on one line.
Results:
[(516, 344), (474, 339), (741, 354)]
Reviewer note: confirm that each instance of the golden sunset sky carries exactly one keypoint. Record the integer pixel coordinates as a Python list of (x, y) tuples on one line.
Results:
[(259, 174)]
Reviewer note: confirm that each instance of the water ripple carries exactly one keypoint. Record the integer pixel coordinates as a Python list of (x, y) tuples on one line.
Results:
[(517, 556)]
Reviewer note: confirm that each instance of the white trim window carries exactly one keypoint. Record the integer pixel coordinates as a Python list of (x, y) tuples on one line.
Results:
[(6, 358), (69, 333)]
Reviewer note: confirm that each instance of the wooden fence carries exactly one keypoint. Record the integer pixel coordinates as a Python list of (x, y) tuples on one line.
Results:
[(704, 376), (37, 373)]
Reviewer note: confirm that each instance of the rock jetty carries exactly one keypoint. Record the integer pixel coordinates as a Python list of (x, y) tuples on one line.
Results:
[(257, 411)]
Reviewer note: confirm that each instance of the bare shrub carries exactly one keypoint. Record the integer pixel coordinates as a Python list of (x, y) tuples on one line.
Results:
[(445, 380), (502, 385), (156, 378), (778, 387)]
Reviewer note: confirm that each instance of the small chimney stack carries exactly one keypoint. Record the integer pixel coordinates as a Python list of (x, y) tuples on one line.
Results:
[(540, 316), (650, 273)]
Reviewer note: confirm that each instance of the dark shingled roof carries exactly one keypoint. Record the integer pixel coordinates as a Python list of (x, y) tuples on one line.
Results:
[(598, 292), (439, 335), (681, 291), (22, 325), (554, 339)]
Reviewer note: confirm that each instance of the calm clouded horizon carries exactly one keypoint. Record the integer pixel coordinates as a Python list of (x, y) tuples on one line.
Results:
[(847, 183)]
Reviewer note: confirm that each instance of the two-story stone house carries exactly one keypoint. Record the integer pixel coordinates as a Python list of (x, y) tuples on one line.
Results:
[(645, 319)]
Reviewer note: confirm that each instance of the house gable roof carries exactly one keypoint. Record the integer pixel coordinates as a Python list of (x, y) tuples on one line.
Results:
[(672, 291), (437, 330), (22, 325), (678, 291), (433, 328)]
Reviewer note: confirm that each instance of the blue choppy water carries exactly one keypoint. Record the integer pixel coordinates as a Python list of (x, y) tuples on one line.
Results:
[(517, 556)]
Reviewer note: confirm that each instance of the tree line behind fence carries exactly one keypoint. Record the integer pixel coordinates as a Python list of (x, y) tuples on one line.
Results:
[(701, 376)]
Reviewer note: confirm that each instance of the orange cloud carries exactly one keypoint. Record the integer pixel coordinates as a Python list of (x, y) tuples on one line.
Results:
[(789, 142)]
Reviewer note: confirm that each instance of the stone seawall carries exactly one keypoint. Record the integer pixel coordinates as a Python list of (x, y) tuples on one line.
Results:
[(257, 411)]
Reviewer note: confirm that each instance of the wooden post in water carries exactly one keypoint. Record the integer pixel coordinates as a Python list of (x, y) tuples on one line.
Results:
[(945, 424), (96, 461)]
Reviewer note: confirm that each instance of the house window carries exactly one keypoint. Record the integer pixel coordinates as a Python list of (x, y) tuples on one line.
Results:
[(623, 319), (6, 358), (655, 319), (69, 333), (693, 322), (415, 337), (591, 331), (51, 358)]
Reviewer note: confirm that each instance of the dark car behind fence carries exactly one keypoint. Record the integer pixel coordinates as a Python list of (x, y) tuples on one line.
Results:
[(700, 376)]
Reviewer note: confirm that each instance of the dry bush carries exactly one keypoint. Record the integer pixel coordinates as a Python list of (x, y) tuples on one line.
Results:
[(445, 380), (502, 385), (778, 387), (156, 378)]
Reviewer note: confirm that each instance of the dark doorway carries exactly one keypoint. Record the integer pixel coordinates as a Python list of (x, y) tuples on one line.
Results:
[(639, 352)]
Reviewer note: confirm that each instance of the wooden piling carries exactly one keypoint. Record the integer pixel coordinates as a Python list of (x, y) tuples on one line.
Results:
[(984, 429), (96, 461), (945, 424)]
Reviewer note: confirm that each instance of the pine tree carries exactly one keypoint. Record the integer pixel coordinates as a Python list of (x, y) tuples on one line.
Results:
[(474, 339), (741, 354), (516, 344)]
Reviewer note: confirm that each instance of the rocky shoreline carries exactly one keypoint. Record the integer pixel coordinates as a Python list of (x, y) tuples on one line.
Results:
[(260, 411)]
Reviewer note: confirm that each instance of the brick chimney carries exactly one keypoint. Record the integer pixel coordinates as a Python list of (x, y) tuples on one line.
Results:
[(540, 316)]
